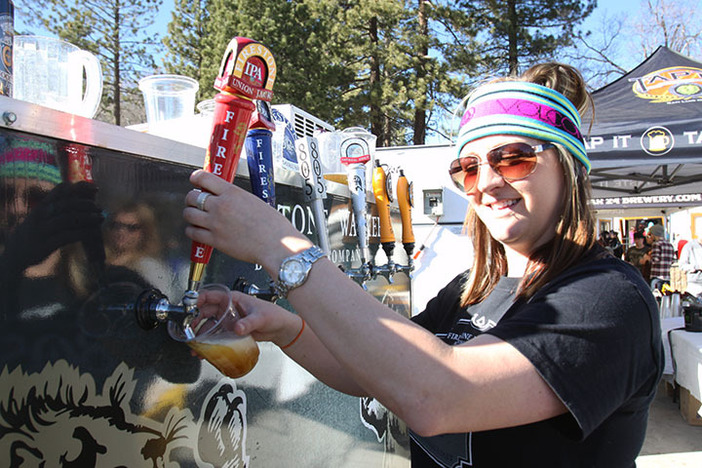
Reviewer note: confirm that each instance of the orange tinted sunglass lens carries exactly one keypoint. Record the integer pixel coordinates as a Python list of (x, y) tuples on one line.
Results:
[(464, 172), (512, 161), (517, 167)]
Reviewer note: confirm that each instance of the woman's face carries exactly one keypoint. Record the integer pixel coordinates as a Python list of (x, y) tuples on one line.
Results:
[(522, 214), (18, 197), (126, 232)]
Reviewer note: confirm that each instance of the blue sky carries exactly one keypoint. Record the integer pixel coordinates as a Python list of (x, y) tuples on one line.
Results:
[(606, 7), (164, 14)]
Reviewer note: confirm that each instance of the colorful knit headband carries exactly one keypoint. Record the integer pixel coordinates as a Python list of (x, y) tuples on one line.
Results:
[(29, 163), (526, 109)]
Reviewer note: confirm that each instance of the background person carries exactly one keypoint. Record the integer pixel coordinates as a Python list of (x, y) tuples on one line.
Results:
[(603, 240), (661, 256), (546, 353), (636, 255), (616, 244), (691, 263), (132, 240)]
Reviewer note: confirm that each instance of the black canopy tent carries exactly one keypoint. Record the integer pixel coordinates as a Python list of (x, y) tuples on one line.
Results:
[(646, 139)]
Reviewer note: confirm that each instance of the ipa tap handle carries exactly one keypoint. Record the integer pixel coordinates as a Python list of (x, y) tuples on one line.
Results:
[(247, 73)]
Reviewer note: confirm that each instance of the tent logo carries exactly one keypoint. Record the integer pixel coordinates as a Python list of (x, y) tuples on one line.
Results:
[(672, 84), (657, 141)]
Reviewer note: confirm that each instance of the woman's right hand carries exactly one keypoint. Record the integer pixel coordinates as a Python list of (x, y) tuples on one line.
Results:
[(240, 224)]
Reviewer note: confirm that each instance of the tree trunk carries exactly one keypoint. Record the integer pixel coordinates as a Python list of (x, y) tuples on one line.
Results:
[(376, 117), (513, 22), (420, 113), (116, 85)]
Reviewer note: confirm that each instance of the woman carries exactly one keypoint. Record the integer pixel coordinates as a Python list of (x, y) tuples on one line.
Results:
[(132, 240), (42, 221), (546, 353)]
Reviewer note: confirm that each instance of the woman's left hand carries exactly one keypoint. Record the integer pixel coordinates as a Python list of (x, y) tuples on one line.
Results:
[(263, 320)]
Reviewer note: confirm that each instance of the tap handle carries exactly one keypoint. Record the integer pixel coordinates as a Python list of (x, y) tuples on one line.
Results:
[(382, 200), (247, 72), (405, 201)]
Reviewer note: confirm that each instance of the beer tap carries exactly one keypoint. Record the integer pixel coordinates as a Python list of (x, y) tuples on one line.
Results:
[(404, 200), (387, 235), (243, 285), (361, 275), (152, 308), (313, 186), (247, 72), (355, 152), (259, 153)]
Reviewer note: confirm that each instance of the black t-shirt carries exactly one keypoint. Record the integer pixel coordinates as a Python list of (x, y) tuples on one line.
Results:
[(593, 333)]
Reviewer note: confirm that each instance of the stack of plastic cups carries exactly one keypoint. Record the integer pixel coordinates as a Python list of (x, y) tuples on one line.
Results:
[(168, 98)]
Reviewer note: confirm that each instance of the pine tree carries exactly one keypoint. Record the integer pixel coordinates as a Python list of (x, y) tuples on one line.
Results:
[(185, 40), (517, 33), (114, 30), (421, 64), (352, 63), (301, 36)]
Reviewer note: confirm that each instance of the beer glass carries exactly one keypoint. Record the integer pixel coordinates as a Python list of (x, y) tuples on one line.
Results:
[(213, 335)]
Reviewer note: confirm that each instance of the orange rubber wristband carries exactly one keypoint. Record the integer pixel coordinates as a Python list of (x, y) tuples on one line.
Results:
[(299, 334)]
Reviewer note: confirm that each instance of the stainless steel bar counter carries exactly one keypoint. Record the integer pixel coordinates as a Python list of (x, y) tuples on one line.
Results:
[(81, 384)]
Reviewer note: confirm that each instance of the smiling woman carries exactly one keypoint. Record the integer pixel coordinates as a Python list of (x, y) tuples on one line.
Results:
[(523, 210), (548, 345)]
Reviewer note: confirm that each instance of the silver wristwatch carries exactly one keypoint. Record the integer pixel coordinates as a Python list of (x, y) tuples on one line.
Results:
[(294, 270)]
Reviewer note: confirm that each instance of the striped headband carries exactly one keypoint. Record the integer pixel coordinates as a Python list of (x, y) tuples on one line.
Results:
[(526, 109), (29, 163)]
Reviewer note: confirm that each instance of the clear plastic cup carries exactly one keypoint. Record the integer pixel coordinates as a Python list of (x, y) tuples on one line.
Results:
[(168, 97), (212, 334), (206, 107)]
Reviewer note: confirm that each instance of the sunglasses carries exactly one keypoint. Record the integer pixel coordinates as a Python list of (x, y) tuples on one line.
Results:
[(116, 226), (512, 161)]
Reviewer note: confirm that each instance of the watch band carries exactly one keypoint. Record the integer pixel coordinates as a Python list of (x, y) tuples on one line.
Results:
[(307, 258)]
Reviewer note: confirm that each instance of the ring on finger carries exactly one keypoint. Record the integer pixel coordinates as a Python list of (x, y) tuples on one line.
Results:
[(201, 199)]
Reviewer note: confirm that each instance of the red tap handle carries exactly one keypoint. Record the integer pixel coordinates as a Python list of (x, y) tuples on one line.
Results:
[(247, 72)]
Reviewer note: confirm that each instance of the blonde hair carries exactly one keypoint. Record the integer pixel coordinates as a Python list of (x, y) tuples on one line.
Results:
[(150, 244), (575, 230)]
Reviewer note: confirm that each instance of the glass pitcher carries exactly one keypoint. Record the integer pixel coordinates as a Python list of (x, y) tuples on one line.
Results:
[(56, 74)]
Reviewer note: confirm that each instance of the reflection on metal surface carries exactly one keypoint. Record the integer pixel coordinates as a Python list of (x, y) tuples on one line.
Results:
[(112, 393)]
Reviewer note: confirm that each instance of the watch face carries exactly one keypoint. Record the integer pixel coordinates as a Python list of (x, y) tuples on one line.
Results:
[(294, 272)]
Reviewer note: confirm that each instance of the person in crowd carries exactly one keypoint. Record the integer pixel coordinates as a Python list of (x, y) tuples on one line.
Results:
[(546, 352), (132, 240), (43, 222), (691, 263), (636, 254), (681, 243), (616, 244), (661, 256), (603, 240)]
